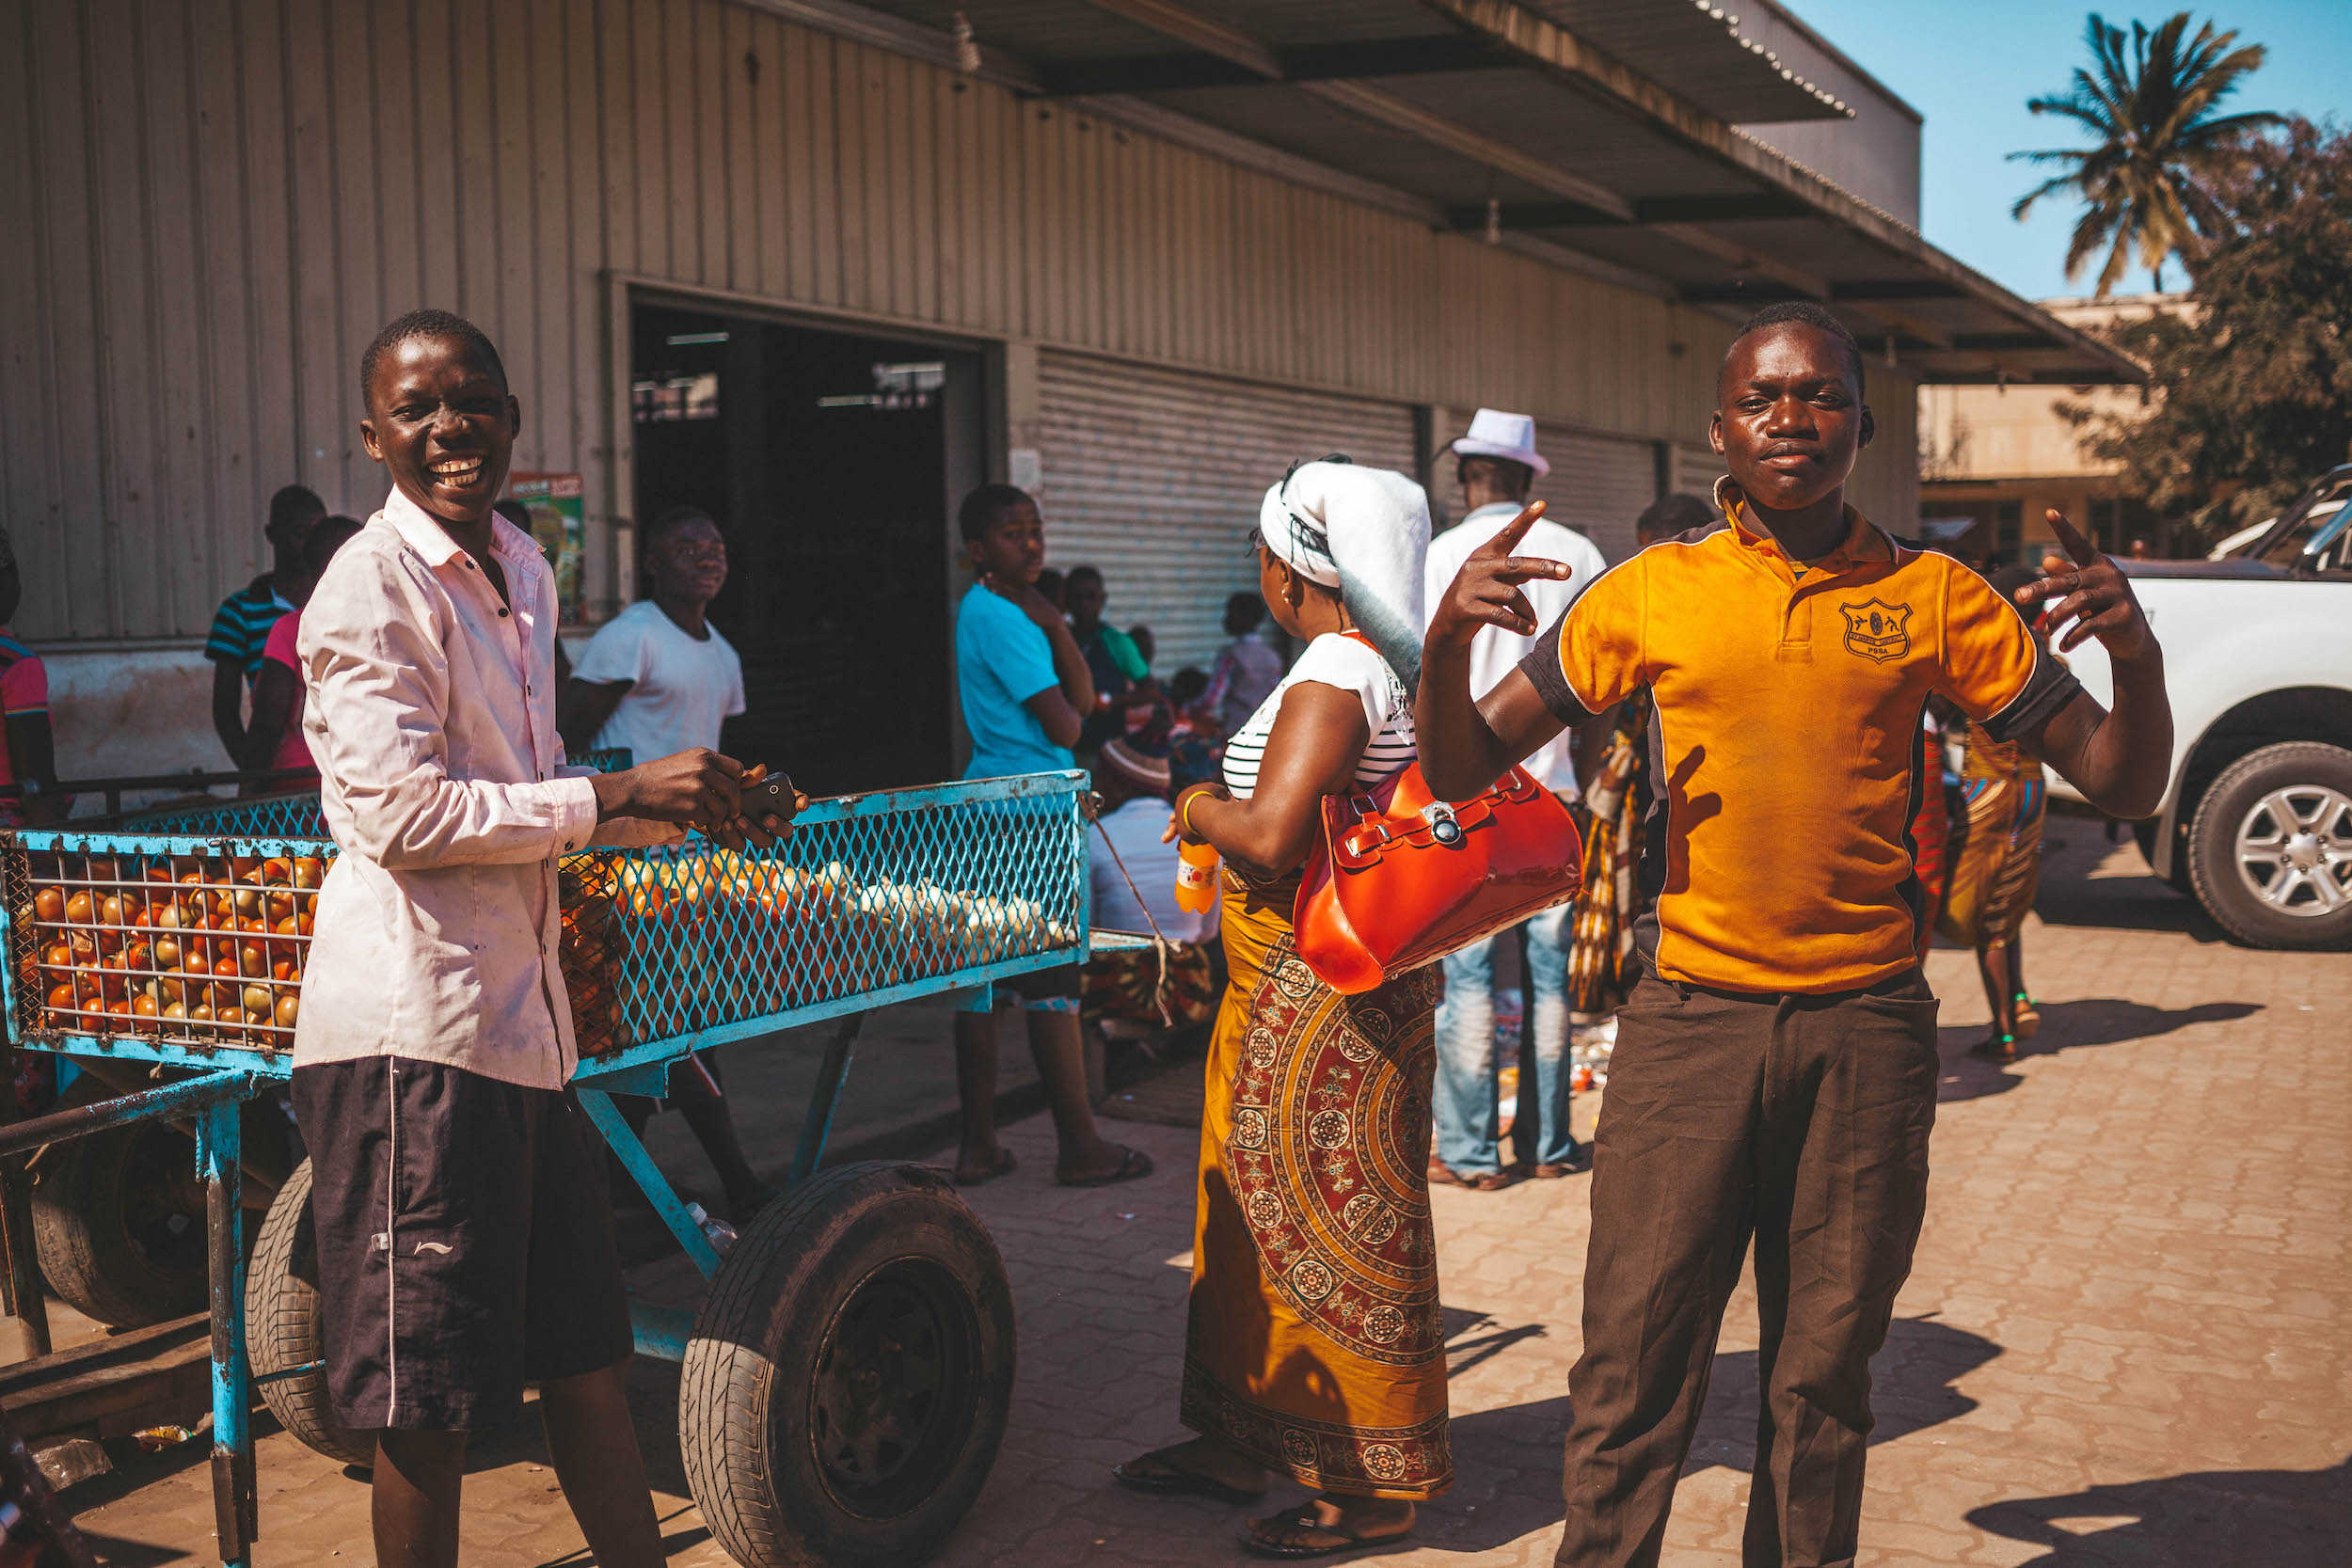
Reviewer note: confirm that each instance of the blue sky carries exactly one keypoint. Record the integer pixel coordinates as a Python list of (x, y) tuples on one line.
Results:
[(1969, 68)]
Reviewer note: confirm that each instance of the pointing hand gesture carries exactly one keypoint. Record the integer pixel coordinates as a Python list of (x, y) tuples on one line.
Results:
[(1485, 592), (2091, 592)]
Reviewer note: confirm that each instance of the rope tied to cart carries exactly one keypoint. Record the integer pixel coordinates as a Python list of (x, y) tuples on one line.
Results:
[(1162, 987)]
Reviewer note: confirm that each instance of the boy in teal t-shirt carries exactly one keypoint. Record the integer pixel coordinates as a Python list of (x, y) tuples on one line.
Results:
[(1023, 685)]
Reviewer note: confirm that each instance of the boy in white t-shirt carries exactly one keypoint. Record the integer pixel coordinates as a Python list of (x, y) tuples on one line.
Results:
[(658, 679)]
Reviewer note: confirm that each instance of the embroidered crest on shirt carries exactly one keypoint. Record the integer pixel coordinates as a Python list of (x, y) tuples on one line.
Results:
[(1877, 630)]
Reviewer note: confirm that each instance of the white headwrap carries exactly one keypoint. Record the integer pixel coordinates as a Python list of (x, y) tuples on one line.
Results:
[(1364, 531)]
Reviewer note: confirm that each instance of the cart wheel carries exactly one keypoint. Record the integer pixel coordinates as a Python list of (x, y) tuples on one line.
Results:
[(118, 1219), (282, 1326), (119, 1216), (847, 1383)]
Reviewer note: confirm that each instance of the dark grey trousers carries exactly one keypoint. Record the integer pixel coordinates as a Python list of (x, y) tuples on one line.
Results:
[(1801, 1121)]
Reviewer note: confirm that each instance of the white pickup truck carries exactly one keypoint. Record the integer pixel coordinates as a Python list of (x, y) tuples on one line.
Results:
[(2257, 819)]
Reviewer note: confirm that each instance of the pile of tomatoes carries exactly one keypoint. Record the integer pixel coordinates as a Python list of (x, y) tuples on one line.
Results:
[(207, 950)]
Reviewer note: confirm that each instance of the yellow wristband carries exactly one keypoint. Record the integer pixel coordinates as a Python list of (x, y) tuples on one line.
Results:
[(1183, 817)]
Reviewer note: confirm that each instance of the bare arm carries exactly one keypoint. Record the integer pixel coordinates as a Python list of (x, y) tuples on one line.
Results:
[(2121, 760), (1052, 710), (582, 709), (1465, 746), (1318, 736), (229, 709), (274, 693)]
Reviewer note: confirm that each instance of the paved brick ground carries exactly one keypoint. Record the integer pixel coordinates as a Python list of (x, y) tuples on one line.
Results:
[(2125, 1341)]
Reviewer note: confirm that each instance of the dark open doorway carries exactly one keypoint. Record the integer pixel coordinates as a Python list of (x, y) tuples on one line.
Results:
[(829, 460)]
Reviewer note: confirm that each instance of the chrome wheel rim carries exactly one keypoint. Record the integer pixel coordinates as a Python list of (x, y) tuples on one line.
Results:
[(2294, 850)]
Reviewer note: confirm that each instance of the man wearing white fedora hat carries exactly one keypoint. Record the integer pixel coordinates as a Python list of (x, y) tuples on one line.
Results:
[(1497, 462)]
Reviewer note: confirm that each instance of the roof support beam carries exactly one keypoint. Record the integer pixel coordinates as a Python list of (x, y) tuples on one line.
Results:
[(1796, 282), (1671, 209), (1213, 37), (1334, 62)]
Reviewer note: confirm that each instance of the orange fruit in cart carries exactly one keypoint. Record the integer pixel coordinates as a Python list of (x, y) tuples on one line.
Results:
[(289, 1008), (61, 999), (277, 869), (49, 905), (309, 871), (259, 1002), (78, 908), (252, 958)]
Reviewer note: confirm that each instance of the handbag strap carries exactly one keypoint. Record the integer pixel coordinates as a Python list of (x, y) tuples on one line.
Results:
[(1160, 944)]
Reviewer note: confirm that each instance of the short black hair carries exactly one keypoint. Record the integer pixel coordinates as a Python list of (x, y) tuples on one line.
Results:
[(1801, 312), (331, 534), (981, 506), (1512, 478), (293, 505), (426, 324), (1676, 513), (1187, 686), (674, 518), (1081, 570), (1243, 613)]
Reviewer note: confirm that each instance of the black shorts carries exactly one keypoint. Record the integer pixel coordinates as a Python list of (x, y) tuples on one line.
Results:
[(464, 1241)]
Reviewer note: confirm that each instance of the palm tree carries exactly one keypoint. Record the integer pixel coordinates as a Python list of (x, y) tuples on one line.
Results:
[(2147, 181)]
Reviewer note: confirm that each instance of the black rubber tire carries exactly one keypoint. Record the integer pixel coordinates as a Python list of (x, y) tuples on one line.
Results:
[(118, 1219), (283, 1326), (879, 1256), (2213, 845)]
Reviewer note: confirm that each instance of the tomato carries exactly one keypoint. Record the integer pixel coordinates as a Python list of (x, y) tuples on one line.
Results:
[(167, 914), (201, 1013), (58, 954), (168, 953), (252, 958), (225, 993), (226, 964), (259, 1001), (49, 905), (61, 998), (143, 1007), (175, 1011), (302, 922), (78, 908), (289, 1008), (248, 901), (277, 907), (309, 871)]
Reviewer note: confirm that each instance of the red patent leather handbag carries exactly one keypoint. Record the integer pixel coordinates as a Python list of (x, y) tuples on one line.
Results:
[(1403, 878)]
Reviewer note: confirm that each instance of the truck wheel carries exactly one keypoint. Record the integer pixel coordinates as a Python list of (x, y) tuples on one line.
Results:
[(2271, 848), (282, 1326), (848, 1381)]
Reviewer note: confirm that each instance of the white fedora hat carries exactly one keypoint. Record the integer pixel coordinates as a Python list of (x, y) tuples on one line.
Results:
[(1496, 434)]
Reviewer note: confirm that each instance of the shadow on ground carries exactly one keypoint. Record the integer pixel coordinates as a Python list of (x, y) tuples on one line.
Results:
[(2278, 1518), (1914, 1385), (2065, 1026)]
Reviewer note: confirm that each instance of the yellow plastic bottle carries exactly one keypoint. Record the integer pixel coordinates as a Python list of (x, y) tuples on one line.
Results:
[(1196, 876)]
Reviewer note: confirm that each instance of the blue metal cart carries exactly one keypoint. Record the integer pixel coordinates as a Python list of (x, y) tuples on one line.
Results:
[(847, 1378)]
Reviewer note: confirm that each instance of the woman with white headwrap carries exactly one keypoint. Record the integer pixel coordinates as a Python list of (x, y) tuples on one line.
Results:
[(1315, 1347)]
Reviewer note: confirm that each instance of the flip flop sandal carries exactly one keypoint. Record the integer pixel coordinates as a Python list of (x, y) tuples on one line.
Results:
[(1304, 1519), (1133, 1163), (1996, 1048), (1174, 1481), (2028, 1018), (1006, 1165)]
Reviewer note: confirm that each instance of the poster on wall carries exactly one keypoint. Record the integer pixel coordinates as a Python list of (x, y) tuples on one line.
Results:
[(558, 522)]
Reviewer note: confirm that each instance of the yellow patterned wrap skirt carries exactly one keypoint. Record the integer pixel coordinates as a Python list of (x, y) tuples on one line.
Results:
[(1315, 1344)]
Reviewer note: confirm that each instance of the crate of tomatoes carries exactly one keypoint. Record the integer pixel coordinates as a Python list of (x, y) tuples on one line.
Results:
[(199, 946)]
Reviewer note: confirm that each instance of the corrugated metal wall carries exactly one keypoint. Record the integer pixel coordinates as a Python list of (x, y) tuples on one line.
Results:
[(223, 199), (1597, 485), (1155, 477)]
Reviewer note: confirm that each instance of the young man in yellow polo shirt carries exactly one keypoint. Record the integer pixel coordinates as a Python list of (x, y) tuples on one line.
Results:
[(1775, 1070)]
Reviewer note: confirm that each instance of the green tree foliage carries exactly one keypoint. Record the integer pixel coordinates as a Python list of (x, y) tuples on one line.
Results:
[(2250, 386), (2147, 183)]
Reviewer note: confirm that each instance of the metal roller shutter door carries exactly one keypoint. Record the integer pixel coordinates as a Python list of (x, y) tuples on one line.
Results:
[(1155, 476), (1695, 471), (1599, 484)]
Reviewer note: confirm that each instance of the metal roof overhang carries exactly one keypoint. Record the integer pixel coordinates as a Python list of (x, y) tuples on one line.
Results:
[(1489, 115)]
